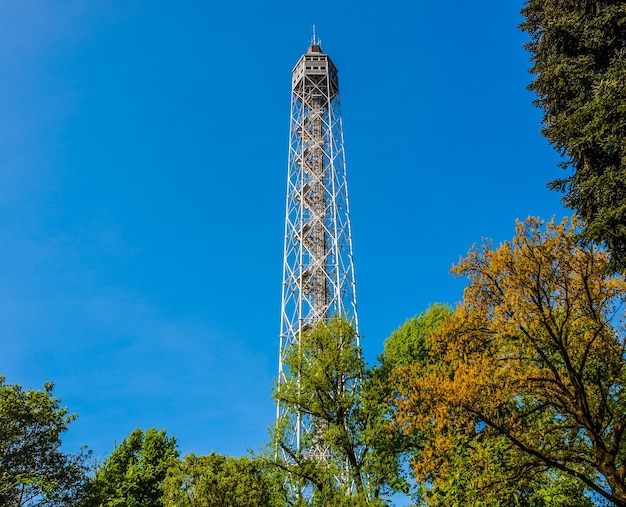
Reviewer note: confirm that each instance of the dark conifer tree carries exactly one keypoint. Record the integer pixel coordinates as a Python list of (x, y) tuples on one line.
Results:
[(578, 51)]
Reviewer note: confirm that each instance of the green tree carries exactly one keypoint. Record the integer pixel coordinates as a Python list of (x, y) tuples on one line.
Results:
[(133, 475), (328, 390), (404, 347), (524, 401), (33, 469), (407, 344), (459, 479), (222, 481), (578, 50)]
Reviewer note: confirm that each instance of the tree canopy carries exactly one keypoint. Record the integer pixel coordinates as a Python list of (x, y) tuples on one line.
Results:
[(217, 481), (578, 51), (133, 474), (407, 345), (34, 471), (525, 383)]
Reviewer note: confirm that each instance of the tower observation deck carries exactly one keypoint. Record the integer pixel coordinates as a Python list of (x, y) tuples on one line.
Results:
[(318, 270)]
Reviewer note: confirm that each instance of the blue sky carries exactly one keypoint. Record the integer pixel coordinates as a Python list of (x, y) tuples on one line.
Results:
[(143, 159)]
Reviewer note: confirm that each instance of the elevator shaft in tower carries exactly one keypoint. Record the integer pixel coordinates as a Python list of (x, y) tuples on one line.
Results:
[(316, 205)]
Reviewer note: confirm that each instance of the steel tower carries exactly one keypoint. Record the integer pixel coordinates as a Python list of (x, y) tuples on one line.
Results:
[(318, 269)]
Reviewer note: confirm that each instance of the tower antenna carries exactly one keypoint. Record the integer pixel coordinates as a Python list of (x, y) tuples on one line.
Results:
[(315, 41)]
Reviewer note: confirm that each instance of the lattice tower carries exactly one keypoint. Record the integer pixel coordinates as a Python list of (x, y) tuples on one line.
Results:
[(318, 269)]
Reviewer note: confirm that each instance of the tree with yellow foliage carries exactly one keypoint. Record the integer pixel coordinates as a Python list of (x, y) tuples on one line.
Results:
[(521, 399)]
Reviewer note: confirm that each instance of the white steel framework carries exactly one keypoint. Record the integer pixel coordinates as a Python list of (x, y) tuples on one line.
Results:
[(318, 269)]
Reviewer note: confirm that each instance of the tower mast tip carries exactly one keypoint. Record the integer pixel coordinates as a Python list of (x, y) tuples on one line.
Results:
[(316, 44)]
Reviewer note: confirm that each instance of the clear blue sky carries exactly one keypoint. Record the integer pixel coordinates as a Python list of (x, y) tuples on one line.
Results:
[(143, 153)]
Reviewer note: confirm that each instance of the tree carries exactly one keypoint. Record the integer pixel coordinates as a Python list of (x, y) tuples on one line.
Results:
[(404, 347), (328, 390), (529, 380), (407, 344), (33, 469), (458, 479), (222, 481), (578, 50), (133, 474)]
